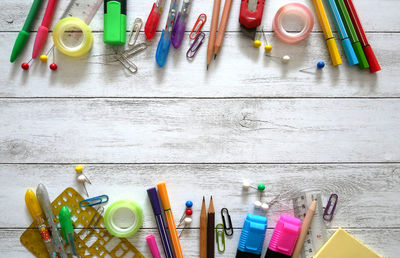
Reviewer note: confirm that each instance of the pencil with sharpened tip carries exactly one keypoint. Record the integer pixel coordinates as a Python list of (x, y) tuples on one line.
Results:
[(210, 230), (213, 31), (203, 230), (304, 229), (222, 27)]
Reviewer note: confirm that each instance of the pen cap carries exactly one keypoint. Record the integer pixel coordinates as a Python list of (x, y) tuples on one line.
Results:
[(115, 22), (152, 23), (285, 235), (334, 52), (151, 242), (33, 204), (152, 193), (65, 222), (362, 60), (252, 237), (162, 190), (349, 51), (373, 62), (178, 31), (20, 42), (162, 54)]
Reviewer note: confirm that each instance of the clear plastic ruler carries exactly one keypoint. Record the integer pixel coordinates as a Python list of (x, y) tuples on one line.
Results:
[(317, 234), (82, 9)]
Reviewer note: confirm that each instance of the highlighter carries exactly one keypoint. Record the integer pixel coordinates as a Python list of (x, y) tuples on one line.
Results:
[(115, 22), (252, 237), (326, 28), (362, 60)]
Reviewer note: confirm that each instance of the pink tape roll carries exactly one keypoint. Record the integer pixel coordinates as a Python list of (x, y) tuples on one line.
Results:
[(299, 10)]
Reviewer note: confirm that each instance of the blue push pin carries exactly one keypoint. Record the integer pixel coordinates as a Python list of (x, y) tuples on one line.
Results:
[(189, 204), (320, 65), (188, 211)]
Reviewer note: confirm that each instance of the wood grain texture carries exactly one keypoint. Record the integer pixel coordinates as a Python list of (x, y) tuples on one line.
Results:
[(368, 194), (239, 71), (13, 14), (200, 131)]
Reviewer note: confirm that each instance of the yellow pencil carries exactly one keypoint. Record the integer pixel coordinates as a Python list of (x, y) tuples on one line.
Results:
[(326, 28)]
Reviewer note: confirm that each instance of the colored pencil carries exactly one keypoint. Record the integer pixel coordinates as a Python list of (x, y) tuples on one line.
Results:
[(203, 230), (210, 230), (222, 27), (213, 31)]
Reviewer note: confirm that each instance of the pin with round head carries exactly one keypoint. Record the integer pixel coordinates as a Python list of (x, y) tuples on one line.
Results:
[(320, 66), (187, 221), (25, 65), (188, 212), (284, 59), (246, 185), (43, 58), (267, 47), (81, 178)]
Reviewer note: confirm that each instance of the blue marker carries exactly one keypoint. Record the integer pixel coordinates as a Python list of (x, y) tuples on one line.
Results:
[(252, 237), (348, 48)]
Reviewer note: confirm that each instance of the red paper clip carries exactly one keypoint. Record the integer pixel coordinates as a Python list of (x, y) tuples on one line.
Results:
[(198, 25)]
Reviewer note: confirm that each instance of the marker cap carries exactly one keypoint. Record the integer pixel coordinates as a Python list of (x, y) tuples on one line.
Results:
[(152, 23), (334, 52), (162, 190), (373, 62), (20, 42), (115, 22), (350, 54), (33, 204), (152, 193), (362, 60)]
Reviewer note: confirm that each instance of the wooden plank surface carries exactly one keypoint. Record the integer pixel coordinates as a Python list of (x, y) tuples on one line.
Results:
[(199, 130)]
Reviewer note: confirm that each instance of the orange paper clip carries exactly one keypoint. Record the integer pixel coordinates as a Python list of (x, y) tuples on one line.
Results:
[(198, 25)]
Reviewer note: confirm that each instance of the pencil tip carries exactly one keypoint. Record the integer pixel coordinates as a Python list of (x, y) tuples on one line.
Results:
[(211, 197), (207, 67), (215, 56), (203, 199)]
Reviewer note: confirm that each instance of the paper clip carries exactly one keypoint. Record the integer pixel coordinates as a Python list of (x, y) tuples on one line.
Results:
[(330, 207), (228, 228), (198, 25), (134, 50), (219, 231), (195, 45), (137, 25), (123, 57), (94, 201)]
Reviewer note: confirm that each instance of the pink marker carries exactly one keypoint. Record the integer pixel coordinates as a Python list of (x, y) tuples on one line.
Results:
[(151, 241), (284, 238), (43, 30)]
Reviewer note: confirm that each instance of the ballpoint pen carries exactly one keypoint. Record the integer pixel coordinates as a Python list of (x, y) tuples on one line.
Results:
[(37, 214), (180, 24), (165, 40), (153, 19), (23, 35), (348, 48), (44, 201), (43, 30), (67, 228), (369, 53)]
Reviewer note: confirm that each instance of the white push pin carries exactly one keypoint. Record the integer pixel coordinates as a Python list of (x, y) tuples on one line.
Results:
[(320, 65), (187, 221), (82, 178), (285, 59), (246, 185), (265, 206), (257, 204)]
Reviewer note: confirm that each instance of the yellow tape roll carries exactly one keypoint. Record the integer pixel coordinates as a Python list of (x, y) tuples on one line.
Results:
[(72, 23)]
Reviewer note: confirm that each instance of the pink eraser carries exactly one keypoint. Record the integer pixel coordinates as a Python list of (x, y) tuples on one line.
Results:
[(285, 235), (151, 241)]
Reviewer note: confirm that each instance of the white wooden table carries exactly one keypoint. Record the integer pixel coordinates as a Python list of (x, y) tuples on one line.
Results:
[(248, 117)]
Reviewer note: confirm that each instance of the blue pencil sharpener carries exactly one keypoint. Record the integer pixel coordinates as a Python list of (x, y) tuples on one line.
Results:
[(252, 237)]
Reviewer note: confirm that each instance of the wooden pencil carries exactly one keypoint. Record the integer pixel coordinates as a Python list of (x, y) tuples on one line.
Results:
[(213, 31), (203, 230), (222, 27), (304, 229), (210, 230)]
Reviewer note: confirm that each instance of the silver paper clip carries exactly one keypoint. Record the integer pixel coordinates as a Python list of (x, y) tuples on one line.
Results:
[(198, 41), (137, 25), (123, 57)]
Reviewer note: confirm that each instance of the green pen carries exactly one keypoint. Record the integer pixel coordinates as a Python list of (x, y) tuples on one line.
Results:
[(23, 35), (67, 228), (362, 60), (115, 22)]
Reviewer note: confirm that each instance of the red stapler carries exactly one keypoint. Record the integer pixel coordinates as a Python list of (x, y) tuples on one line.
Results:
[(251, 12)]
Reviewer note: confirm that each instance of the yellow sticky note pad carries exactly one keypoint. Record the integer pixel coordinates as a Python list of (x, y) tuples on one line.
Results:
[(344, 245)]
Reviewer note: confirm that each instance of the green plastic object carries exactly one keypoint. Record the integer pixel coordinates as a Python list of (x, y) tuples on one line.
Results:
[(362, 60), (123, 218), (115, 22), (66, 222), (23, 35)]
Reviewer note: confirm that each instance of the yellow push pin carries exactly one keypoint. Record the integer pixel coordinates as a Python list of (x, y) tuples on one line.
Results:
[(257, 43), (81, 177), (267, 47), (43, 58)]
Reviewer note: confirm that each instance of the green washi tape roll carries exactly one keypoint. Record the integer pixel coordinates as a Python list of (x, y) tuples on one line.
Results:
[(123, 218)]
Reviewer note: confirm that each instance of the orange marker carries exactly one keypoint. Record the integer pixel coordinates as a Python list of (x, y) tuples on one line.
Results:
[(173, 234)]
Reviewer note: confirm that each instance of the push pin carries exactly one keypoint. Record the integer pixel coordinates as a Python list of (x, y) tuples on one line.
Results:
[(285, 59), (188, 212), (260, 188), (267, 47), (25, 65), (187, 221), (82, 178), (320, 65)]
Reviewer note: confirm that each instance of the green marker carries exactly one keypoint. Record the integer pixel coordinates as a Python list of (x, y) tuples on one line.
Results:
[(67, 228), (362, 60), (115, 22), (23, 35)]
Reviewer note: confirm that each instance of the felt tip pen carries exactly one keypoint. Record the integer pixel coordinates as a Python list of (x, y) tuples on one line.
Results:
[(23, 34), (362, 60), (348, 48), (67, 228), (114, 22), (165, 40), (43, 30), (153, 19), (326, 28), (369, 53), (180, 24), (162, 230)]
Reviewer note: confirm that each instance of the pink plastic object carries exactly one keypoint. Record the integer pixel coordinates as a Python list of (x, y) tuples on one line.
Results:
[(43, 30), (151, 241), (296, 9), (285, 235)]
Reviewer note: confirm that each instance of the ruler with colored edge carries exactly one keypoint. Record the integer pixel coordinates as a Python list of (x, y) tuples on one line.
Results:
[(317, 234)]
